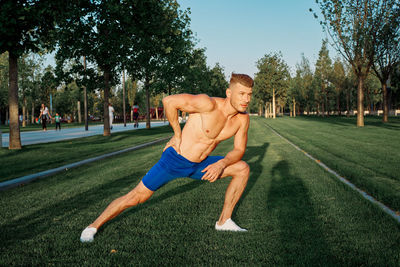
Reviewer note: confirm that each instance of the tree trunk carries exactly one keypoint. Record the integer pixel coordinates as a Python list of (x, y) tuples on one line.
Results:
[(156, 109), (273, 104), (85, 99), (348, 103), (147, 89), (123, 97), (24, 113), (294, 107), (360, 102), (323, 101), (78, 105), (338, 103), (266, 110), (385, 102), (14, 136), (106, 131), (33, 113)]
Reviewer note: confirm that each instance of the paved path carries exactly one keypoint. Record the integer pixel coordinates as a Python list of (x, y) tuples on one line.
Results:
[(36, 137)]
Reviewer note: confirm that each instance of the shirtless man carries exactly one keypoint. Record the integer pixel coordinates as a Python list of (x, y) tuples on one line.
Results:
[(211, 121)]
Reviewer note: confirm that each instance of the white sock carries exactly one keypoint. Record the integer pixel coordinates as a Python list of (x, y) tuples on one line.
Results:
[(88, 234), (229, 225)]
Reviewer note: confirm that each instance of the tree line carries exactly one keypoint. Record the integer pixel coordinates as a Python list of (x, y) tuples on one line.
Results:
[(366, 34), (94, 42)]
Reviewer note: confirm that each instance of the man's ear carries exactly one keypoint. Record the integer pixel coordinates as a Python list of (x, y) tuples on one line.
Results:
[(228, 92)]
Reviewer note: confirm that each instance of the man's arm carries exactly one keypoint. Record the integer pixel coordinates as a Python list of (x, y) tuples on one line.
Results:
[(187, 103), (214, 171)]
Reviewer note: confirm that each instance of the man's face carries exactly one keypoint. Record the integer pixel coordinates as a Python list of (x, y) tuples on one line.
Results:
[(240, 96)]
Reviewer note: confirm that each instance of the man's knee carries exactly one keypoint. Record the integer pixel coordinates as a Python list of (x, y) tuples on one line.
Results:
[(243, 168), (138, 195)]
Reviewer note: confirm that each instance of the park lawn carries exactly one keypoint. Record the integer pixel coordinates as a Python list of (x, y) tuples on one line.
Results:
[(40, 157), (369, 157), (297, 215)]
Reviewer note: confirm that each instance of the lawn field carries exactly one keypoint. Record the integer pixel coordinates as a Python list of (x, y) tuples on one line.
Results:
[(369, 157), (297, 214)]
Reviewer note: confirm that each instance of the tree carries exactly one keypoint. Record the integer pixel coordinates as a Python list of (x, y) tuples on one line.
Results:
[(301, 86), (218, 83), (338, 77), (322, 73), (387, 50), (353, 27), (272, 80), (25, 26), (196, 78), (100, 30), (163, 30)]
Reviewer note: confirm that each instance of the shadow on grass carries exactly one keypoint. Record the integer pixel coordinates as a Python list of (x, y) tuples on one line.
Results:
[(300, 230), (256, 167)]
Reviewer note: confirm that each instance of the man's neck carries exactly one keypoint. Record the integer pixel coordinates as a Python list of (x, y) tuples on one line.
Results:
[(228, 110)]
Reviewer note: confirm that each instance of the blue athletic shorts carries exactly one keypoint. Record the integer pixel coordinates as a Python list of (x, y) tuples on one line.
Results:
[(172, 166)]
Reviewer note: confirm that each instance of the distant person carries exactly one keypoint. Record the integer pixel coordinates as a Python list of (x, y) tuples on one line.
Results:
[(135, 109), (58, 121), (111, 114), (44, 116)]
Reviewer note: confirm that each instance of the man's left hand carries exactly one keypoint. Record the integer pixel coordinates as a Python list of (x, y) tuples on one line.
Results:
[(213, 171)]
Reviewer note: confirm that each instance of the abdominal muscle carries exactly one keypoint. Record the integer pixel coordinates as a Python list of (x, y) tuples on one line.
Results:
[(195, 145)]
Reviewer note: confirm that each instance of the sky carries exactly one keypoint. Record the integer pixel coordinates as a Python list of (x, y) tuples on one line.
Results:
[(237, 33)]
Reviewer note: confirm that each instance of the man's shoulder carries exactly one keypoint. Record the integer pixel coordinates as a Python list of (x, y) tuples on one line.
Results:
[(244, 119)]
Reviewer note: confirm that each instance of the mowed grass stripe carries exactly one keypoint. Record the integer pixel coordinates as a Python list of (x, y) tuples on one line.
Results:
[(296, 213), (372, 167), (345, 181)]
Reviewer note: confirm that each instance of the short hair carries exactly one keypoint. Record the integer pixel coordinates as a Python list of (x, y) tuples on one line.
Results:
[(243, 79)]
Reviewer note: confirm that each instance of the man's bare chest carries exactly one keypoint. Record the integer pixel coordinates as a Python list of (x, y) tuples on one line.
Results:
[(217, 127)]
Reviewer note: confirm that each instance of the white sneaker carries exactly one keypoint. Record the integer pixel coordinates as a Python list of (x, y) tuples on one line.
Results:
[(88, 234), (229, 225)]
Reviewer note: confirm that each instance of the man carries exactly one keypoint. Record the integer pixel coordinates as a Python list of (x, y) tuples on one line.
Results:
[(135, 116), (111, 114), (211, 121)]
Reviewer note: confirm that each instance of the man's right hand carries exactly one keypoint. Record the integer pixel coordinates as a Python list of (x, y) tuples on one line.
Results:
[(175, 142)]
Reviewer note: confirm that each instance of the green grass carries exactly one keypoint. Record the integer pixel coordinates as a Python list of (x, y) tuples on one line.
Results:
[(296, 213), (35, 158), (369, 157)]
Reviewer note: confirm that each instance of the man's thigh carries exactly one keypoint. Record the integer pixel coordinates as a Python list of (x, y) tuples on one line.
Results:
[(198, 174)]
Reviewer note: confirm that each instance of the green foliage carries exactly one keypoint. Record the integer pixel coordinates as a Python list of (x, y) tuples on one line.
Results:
[(218, 83), (273, 73), (32, 24), (387, 48), (195, 80), (301, 85)]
